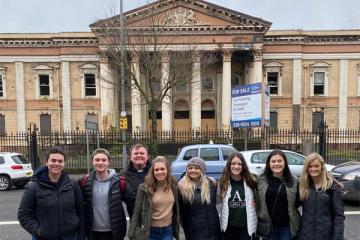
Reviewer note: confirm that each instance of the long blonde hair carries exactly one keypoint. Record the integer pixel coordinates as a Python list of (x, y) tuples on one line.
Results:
[(187, 188), (326, 179)]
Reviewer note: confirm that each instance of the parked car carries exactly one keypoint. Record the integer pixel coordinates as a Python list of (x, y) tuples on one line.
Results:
[(215, 156), (14, 170), (256, 161), (349, 175)]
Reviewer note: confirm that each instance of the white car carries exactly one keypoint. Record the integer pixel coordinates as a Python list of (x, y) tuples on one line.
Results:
[(256, 161), (14, 170)]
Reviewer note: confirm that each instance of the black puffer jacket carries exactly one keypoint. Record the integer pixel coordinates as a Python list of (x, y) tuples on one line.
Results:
[(200, 221), (134, 179), (116, 210), (49, 210), (323, 215)]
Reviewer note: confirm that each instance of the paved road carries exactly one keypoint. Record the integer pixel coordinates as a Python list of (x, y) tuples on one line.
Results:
[(11, 230)]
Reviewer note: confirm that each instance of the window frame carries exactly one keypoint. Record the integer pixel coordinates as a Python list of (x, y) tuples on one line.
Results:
[(89, 69), (274, 67), (44, 85), (39, 71), (322, 67)]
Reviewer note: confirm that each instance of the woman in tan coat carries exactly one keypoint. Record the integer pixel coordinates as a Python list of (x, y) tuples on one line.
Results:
[(155, 216)]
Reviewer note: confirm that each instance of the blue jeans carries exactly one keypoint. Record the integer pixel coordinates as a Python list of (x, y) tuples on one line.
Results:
[(283, 233), (161, 233)]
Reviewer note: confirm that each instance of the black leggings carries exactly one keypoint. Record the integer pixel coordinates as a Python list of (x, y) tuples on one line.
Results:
[(102, 235), (236, 233)]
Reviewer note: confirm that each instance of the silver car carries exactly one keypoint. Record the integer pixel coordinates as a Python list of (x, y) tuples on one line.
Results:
[(256, 161)]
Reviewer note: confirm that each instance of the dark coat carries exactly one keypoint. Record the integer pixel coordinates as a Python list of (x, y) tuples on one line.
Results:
[(322, 215), (141, 221), (49, 211), (116, 210), (200, 221), (134, 179)]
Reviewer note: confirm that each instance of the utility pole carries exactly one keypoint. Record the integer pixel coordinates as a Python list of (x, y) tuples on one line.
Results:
[(122, 83)]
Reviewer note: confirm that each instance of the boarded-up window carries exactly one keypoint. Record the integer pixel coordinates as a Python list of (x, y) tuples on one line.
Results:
[(274, 120), (45, 123), (44, 85), (317, 120), (1, 86), (91, 121), (90, 85), (2, 125)]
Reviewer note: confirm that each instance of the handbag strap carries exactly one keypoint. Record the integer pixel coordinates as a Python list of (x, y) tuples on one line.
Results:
[(276, 199)]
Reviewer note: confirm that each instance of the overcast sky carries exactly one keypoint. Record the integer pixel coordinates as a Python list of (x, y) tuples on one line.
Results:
[(77, 15)]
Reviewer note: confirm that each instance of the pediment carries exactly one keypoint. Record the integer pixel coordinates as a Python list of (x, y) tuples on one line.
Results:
[(175, 14)]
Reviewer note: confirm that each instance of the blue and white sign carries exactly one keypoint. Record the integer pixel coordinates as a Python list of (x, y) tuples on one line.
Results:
[(247, 106)]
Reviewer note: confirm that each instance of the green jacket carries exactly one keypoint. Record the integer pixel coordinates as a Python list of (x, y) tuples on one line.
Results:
[(261, 208), (140, 223)]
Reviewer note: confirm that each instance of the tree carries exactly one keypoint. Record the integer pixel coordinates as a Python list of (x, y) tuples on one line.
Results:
[(165, 61)]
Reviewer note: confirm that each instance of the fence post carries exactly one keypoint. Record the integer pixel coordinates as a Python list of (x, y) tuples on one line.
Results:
[(33, 147), (322, 139)]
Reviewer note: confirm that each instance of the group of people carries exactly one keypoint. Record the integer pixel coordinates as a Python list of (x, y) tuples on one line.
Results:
[(55, 207)]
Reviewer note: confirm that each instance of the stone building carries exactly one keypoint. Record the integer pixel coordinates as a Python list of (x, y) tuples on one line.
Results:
[(57, 80)]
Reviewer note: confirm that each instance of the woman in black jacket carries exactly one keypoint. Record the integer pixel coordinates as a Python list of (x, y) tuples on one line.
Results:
[(51, 206), (199, 216), (323, 208)]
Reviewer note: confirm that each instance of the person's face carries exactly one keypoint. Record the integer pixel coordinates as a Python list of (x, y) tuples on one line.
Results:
[(55, 163), (277, 165), (139, 157), (100, 162), (236, 166), (194, 172), (160, 171), (315, 169)]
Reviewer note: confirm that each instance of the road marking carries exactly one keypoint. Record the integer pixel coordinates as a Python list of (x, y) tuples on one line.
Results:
[(352, 213), (10, 223)]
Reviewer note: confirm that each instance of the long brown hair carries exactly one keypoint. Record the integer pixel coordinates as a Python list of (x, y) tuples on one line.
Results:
[(151, 184), (245, 173)]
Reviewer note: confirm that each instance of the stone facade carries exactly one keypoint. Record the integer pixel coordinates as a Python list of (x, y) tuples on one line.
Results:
[(66, 77)]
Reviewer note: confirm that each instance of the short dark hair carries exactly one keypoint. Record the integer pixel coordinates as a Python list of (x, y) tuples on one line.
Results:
[(101, 150), (55, 150), (137, 146)]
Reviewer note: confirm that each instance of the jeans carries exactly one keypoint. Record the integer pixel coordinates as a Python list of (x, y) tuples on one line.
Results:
[(282, 233), (161, 233)]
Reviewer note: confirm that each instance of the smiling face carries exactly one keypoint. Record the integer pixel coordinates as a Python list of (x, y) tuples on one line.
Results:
[(55, 164), (314, 169), (160, 171), (194, 172), (277, 165), (101, 162), (235, 167), (139, 157)]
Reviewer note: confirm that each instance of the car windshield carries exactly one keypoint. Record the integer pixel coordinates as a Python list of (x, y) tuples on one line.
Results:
[(19, 159)]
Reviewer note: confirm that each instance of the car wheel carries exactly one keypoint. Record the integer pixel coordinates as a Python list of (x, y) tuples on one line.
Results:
[(5, 183)]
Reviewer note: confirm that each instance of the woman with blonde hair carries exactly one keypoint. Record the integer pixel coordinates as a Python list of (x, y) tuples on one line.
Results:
[(323, 208), (238, 218), (199, 216), (156, 211)]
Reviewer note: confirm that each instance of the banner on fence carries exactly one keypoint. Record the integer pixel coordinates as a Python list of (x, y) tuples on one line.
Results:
[(250, 106)]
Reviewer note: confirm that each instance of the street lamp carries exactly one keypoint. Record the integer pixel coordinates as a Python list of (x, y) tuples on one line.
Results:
[(122, 83)]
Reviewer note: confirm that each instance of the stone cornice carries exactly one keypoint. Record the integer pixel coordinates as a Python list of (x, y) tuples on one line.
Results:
[(312, 37), (48, 42)]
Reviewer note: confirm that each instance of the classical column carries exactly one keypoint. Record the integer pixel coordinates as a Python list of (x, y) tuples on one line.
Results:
[(20, 96), (258, 54), (226, 90), (196, 93), (166, 107), (108, 95), (343, 92), (296, 93), (135, 94), (66, 95)]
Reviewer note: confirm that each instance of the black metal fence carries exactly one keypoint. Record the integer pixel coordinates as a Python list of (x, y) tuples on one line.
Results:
[(336, 146)]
